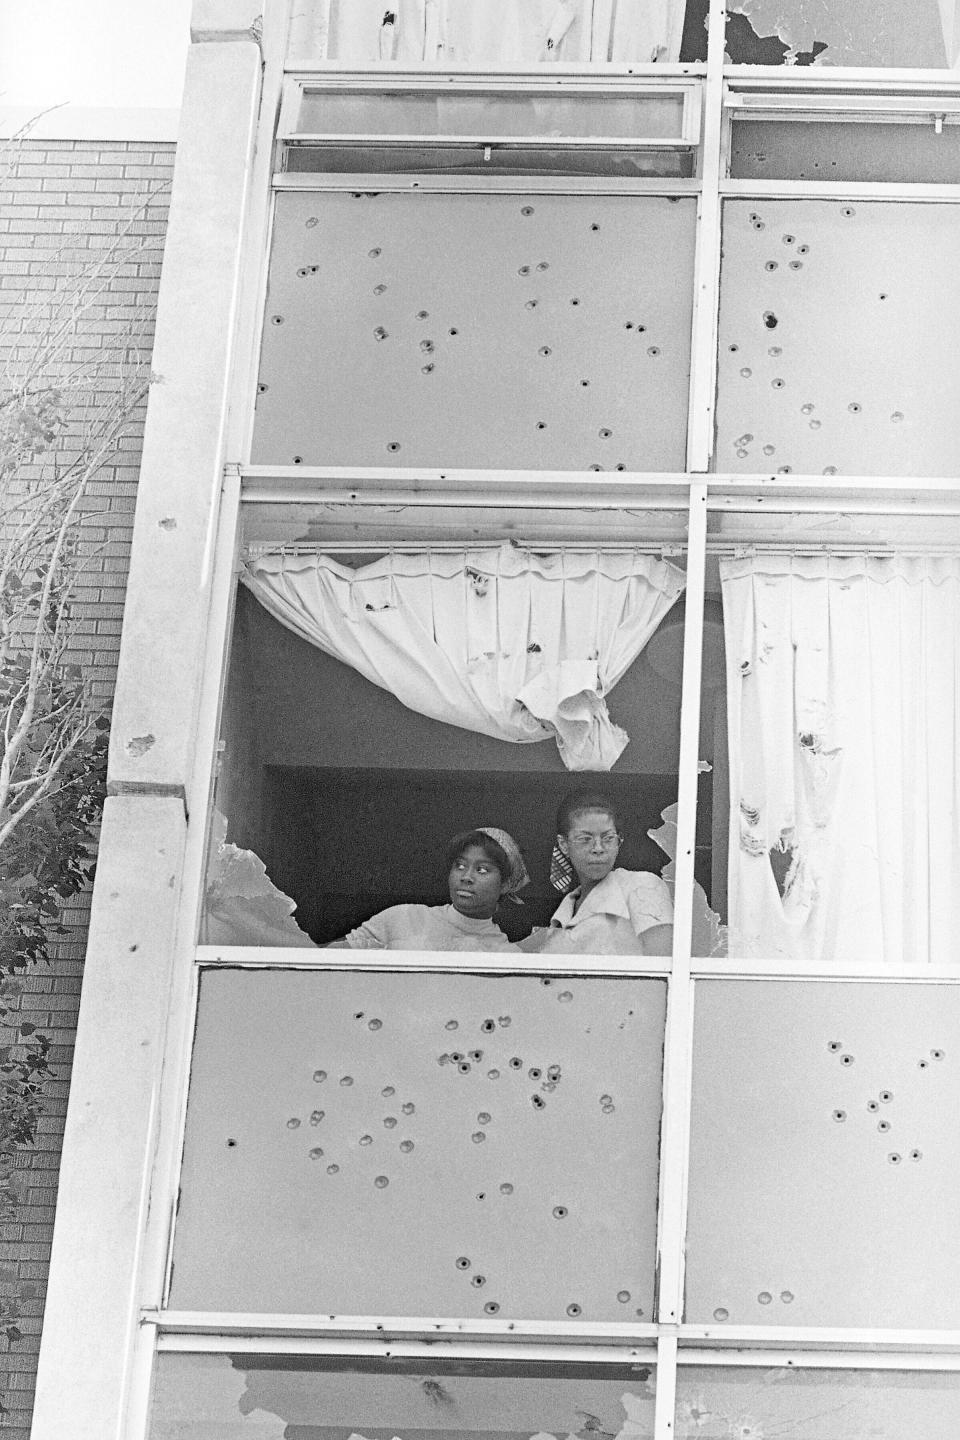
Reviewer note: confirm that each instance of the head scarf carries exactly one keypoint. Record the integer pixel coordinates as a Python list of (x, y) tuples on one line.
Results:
[(518, 876)]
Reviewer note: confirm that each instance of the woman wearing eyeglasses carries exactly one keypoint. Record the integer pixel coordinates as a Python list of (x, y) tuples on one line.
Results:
[(606, 910)]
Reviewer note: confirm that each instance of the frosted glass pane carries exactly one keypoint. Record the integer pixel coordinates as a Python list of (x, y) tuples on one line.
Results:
[(260, 1397), (429, 1145), (838, 326), (825, 1150), (323, 113), (477, 330), (749, 1404)]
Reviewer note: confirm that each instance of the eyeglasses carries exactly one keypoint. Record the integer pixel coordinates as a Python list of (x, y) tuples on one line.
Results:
[(585, 841)]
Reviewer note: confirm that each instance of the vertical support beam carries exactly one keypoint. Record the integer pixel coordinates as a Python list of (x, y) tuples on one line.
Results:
[(106, 1254), (665, 1406)]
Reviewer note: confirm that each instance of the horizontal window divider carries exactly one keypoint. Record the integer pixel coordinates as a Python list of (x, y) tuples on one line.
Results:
[(510, 1355), (855, 1342), (512, 1333), (881, 190), (840, 79), (896, 108), (433, 962), (729, 969), (557, 78), (477, 140), (417, 547), (483, 184), (844, 487)]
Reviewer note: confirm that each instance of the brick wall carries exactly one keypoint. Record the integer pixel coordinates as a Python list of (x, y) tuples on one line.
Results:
[(62, 208)]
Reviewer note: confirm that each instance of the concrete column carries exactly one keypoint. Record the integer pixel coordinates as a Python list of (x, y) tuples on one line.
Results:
[(100, 1273)]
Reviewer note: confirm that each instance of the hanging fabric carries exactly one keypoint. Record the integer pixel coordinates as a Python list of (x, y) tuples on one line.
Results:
[(843, 694), (515, 645)]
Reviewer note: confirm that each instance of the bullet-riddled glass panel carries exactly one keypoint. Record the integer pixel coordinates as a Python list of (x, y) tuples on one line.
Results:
[(824, 1155), (422, 1144), (883, 33), (477, 330), (750, 1404), (276, 1397), (838, 325)]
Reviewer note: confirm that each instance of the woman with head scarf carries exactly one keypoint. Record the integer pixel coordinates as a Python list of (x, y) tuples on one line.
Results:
[(483, 867)]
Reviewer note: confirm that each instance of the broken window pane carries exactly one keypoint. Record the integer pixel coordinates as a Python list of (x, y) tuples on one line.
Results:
[(749, 1404), (824, 1155), (838, 325), (435, 1145), (881, 33), (311, 1397), (481, 330)]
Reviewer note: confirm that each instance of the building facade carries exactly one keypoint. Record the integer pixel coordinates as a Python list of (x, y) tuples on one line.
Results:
[(517, 360)]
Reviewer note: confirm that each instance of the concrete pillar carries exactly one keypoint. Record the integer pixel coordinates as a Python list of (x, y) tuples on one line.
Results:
[(101, 1272)]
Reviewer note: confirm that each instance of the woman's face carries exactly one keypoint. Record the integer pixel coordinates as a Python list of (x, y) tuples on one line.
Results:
[(475, 884), (591, 845)]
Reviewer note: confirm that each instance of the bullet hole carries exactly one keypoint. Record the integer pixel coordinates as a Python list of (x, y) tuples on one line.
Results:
[(854, 407), (560, 1212), (262, 388), (316, 1153), (477, 1281), (311, 222), (796, 264), (524, 270), (526, 210), (770, 320), (922, 1064), (543, 265), (408, 1107), (483, 1118), (298, 459), (937, 1054), (319, 1076), (594, 227), (778, 383), (896, 417), (848, 211), (538, 1102), (393, 446), (553, 1072), (733, 349), (463, 1263), (423, 314), (488, 1026), (803, 249), (476, 1056), (375, 253), (839, 1116), (653, 350), (504, 1020), (426, 369), (573, 1309), (873, 1106), (493, 1074), (491, 1308), (478, 1137), (721, 1314), (346, 1080), (387, 1091), (366, 1139), (333, 1169), (771, 265), (374, 1024), (759, 225), (746, 373), (886, 1096), (379, 289), (788, 239), (883, 1126), (814, 424), (316, 1116), (764, 1297), (916, 1154), (787, 1297), (894, 1157), (846, 1059), (452, 1025), (807, 409), (453, 331), (406, 1146), (456, 1056), (389, 1122), (564, 996), (506, 1188), (574, 301), (628, 325), (623, 1296), (515, 1062), (293, 1123), (530, 304), (743, 454), (541, 425), (534, 1072), (464, 1067), (276, 319), (381, 1182), (769, 449), (427, 346), (231, 1144), (545, 350), (830, 470), (753, 216)]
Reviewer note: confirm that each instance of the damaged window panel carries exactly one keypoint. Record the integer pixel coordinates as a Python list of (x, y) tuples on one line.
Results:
[(920, 153), (269, 1397), (837, 335), (830, 675), (435, 1145), (488, 330), (750, 1404), (824, 1153), (884, 34)]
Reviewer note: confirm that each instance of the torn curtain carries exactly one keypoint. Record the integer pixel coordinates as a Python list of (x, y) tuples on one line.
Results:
[(516, 645), (843, 693)]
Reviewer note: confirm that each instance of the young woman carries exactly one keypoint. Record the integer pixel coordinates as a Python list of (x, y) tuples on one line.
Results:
[(607, 911), (483, 867)]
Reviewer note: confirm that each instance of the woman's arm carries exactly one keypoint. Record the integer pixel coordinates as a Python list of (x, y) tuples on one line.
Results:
[(657, 940)]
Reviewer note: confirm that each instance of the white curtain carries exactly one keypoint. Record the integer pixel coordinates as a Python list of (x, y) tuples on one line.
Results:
[(516, 645), (843, 692)]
